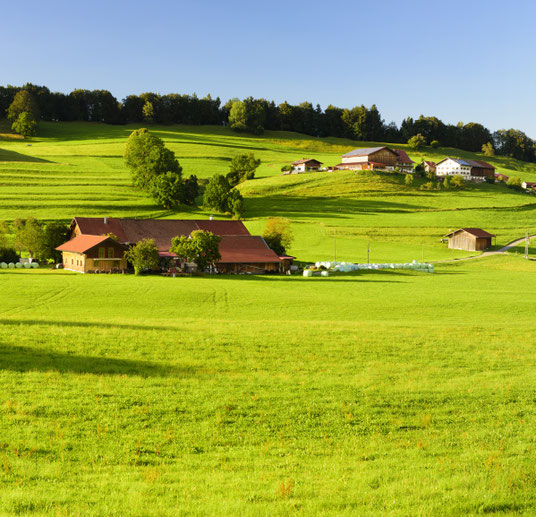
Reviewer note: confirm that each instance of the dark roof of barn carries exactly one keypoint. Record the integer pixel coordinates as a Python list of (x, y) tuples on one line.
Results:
[(430, 164), (246, 249), (305, 160), (161, 230), (83, 243), (403, 156), (477, 232)]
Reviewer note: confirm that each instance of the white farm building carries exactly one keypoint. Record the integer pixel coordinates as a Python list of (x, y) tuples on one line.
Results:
[(472, 170)]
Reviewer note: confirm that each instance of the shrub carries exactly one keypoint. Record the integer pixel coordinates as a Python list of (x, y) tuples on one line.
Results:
[(417, 142), (143, 256), (434, 144), (9, 255), (408, 180), (458, 181), (488, 150), (428, 186)]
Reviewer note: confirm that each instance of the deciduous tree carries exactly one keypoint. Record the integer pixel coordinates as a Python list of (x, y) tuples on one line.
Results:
[(143, 256), (25, 124), (278, 234), (201, 247), (242, 168)]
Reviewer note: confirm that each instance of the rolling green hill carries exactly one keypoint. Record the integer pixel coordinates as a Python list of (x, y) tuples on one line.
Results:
[(77, 169)]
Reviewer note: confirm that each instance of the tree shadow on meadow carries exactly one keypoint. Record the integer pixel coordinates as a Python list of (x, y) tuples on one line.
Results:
[(12, 156), (26, 359)]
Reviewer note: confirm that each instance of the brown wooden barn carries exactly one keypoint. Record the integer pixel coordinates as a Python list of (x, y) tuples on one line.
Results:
[(470, 239), (369, 158), (90, 253)]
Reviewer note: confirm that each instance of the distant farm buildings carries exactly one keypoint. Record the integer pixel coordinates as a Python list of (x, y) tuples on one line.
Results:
[(469, 239), (472, 170), (306, 164), (371, 158), (99, 244)]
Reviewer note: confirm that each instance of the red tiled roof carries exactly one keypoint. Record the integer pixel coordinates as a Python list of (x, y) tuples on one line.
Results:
[(161, 230), (430, 164), (477, 232), (246, 249), (403, 156), (82, 243)]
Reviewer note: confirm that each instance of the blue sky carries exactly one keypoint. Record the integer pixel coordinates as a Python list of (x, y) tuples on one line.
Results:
[(470, 61)]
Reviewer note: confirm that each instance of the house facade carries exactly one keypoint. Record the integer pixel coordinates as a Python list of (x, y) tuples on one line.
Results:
[(306, 164), (91, 253), (428, 166), (404, 163), (471, 170), (240, 251), (470, 239)]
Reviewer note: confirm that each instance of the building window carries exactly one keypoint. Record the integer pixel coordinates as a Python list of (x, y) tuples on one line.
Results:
[(102, 252), (110, 253)]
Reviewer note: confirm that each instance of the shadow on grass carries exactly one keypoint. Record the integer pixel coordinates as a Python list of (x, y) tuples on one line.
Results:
[(12, 156), (25, 359), (311, 207)]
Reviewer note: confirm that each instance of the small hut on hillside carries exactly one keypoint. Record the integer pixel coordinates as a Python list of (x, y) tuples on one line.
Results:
[(469, 239)]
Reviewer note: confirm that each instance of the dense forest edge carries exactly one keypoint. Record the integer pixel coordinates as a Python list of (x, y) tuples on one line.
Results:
[(257, 115)]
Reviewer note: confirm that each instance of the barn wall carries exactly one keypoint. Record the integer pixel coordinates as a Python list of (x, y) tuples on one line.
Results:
[(74, 261), (383, 156), (463, 241)]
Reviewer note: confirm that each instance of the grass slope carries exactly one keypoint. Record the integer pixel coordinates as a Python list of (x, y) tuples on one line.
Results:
[(379, 393), (77, 169)]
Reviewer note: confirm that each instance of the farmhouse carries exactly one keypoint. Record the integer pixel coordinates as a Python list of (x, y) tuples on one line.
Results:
[(368, 158), (87, 253), (240, 251), (306, 164), (529, 185), (428, 166), (470, 239), (473, 170), (404, 162)]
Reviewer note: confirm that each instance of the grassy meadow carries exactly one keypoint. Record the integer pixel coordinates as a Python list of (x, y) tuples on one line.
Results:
[(374, 393), (77, 169), (395, 393)]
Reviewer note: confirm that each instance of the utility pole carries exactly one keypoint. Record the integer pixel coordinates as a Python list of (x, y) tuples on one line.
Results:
[(368, 252), (335, 245), (527, 245)]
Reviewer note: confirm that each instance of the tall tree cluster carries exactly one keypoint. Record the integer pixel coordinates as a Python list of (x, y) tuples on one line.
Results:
[(257, 115)]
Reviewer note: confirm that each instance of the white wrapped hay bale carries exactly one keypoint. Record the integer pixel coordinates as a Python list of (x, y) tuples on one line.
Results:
[(307, 273), (18, 265)]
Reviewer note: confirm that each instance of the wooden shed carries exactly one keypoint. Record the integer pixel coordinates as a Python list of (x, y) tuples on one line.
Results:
[(470, 239)]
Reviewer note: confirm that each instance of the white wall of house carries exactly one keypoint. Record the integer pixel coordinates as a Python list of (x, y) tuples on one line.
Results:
[(450, 167), (354, 159), (299, 168)]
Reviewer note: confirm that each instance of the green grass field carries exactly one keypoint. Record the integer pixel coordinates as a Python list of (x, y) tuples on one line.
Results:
[(378, 393), (375, 393)]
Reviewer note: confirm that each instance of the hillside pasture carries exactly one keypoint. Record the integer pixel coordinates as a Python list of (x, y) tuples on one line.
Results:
[(77, 169)]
